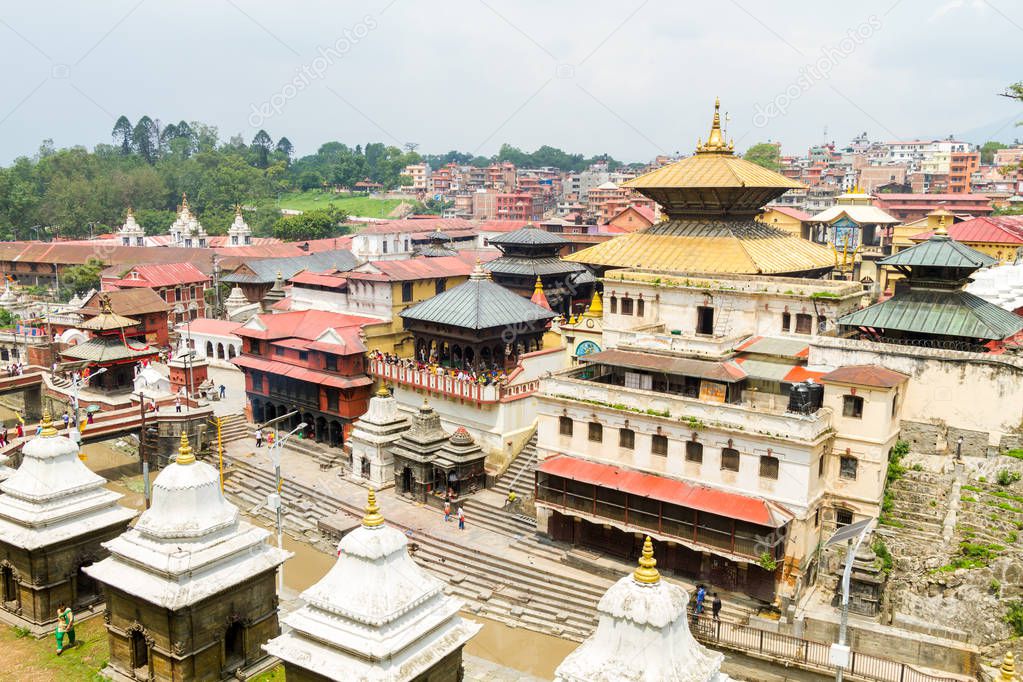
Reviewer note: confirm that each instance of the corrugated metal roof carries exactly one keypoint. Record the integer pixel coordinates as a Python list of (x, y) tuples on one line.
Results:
[(511, 265), (986, 229), (162, 275), (709, 246), (530, 235), (712, 170), (866, 375), (728, 371), (940, 251), (681, 493), (941, 313), (861, 215), (782, 347), (266, 269), (478, 304), (104, 350)]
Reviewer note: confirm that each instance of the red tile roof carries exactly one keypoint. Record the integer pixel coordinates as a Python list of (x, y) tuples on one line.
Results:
[(331, 281), (702, 498), (415, 268), (503, 225), (988, 229), (866, 375), (162, 275), (418, 225), (205, 325), (302, 373), (306, 324), (791, 212)]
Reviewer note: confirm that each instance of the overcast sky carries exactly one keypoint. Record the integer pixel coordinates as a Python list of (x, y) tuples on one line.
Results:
[(632, 78)]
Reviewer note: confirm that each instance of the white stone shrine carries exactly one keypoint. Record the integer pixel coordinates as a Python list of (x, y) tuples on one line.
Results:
[(239, 233), (54, 516), (131, 233), (642, 635), (191, 588), (371, 438), (376, 616), (186, 230)]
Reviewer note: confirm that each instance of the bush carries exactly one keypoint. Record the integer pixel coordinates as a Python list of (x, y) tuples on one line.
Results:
[(1006, 477), (1014, 616), (767, 562), (881, 550)]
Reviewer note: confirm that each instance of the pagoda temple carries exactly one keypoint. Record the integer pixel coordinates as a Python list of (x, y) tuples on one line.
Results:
[(642, 635), (55, 515), (438, 246), (530, 254), (930, 306), (710, 201), (477, 325), (191, 588), (118, 342), (431, 466), (376, 615)]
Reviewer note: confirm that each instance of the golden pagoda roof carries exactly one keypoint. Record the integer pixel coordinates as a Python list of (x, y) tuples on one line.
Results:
[(107, 319), (714, 165), (712, 247)]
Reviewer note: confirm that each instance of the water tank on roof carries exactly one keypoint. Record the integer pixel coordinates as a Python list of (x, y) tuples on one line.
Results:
[(816, 395), (799, 398)]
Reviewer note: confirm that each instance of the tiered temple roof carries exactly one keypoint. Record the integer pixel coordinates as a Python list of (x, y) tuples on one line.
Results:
[(710, 200)]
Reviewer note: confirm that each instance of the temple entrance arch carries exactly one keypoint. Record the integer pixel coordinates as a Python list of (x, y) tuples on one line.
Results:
[(220, 351), (234, 646), (337, 434), (8, 584), (321, 430), (139, 652), (406, 481), (209, 349), (87, 590)]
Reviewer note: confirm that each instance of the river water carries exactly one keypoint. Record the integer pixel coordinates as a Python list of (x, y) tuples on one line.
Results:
[(531, 652)]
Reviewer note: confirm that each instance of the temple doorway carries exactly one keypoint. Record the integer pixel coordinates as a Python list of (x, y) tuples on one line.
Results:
[(8, 584), (234, 646), (86, 589), (406, 481), (139, 655)]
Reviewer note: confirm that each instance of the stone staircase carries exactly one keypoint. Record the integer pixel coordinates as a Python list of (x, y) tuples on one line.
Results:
[(920, 505), (519, 475), (234, 427)]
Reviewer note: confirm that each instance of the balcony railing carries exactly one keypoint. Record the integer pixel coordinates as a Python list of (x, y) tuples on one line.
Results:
[(449, 386), (728, 416)]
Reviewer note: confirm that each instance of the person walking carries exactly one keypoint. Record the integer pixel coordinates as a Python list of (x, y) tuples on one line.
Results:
[(701, 596), (223, 391), (177, 404), (20, 430), (461, 519), (67, 418), (447, 510), (259, 437), (65, 627), (715, 607)]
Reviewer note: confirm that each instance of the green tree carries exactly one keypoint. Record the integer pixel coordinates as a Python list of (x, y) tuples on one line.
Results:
[(285, 147), (7, 318), (988, 149), (319, 224), (766, 154), (78, 279), (145, 139), (261, 145), (122, 134)]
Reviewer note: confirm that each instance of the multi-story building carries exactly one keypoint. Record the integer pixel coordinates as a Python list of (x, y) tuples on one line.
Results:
[(442, 180), (910, 207), (518, 206), (500, 177), (962, 165), (419, 173), (181, 285), (310, 361)]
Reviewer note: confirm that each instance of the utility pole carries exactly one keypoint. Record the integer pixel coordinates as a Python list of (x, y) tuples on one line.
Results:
[(143, 447)]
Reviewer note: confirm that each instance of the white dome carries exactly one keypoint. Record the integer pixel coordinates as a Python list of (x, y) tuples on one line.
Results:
[(187, 501), (50, 468)]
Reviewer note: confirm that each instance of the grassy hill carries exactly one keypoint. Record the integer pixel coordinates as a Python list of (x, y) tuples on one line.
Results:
[(367, 207)]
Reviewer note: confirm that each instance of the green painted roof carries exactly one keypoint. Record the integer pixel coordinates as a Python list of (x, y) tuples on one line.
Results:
[(941, 313), (940, 251), (479, 304)]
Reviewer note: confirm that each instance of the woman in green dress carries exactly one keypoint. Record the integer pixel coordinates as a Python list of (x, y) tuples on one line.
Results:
[(65, 627)]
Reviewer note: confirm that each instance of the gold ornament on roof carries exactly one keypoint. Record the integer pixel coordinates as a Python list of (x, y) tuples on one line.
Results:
[(941, 231), (646, 573), (47, 423), (1008, 668), (596, 308), (538, 287), (185, 455), (383, 392), (373, 517), (716, 142)]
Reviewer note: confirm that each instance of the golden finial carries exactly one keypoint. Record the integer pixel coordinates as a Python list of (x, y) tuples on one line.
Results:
[(941, 231), (1008, 668), (596, 308), (646, 573), (538, 287), (185, 455), (373, 517), (716, 142), (238, 210), (48, 430), (104, 304), (383, 392), (131, 212)]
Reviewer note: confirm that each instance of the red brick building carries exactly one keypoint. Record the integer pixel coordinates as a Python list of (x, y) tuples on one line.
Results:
[(141, 304), (910, 207), (181, 285), (312, 362), (519, 206)]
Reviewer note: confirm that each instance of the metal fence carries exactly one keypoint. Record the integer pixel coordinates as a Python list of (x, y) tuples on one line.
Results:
[(804, 653)]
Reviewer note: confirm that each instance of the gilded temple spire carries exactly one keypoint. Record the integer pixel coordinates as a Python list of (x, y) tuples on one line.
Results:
[(647, 573), (373, 517), (716, 142), (185, 455)]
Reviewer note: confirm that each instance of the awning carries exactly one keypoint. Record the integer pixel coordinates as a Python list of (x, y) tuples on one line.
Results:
[(698, 497), (727, 372), (301, 373)]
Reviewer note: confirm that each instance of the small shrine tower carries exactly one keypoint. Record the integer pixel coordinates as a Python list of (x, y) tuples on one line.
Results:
[(376, 615), (131, 233), (191, 588), (371, 438)]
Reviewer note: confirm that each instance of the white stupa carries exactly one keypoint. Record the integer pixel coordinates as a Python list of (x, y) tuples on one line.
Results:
[(53, 497), (239, 233), (7, 298), (131, 233), (372, 436), (376, 616), (642, 635), (190, 544), (186, 230)]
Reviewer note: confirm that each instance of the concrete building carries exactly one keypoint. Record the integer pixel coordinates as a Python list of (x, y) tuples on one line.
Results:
[(376, 615), (962, 165), (190, 588), (55, 516), (419, 174)]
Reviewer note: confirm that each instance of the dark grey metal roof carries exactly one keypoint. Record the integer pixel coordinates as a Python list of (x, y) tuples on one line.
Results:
[(939, 313), (266, 269), (515, 265), (436, 251), (478, 304), (940, 251), (529, 235)]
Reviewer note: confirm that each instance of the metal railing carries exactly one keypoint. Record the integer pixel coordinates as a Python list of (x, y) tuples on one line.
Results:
[(803, 653)]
